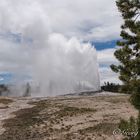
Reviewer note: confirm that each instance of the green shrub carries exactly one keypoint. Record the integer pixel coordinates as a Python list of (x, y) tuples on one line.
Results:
[(129, 128)]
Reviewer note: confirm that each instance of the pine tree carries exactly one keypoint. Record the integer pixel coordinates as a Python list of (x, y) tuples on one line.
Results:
[(128, 52)]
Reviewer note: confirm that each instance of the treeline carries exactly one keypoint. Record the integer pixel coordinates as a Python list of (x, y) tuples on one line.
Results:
[(3, 89), (111, 87), (6, 90)]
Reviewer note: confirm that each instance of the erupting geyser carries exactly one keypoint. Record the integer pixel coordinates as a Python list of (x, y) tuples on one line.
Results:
[(66, 66), (33, 50)]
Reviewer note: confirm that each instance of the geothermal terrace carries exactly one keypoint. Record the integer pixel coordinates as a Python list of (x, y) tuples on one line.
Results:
[(63, 117)]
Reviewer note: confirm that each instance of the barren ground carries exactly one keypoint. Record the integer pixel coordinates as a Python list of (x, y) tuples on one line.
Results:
[(63, 117)]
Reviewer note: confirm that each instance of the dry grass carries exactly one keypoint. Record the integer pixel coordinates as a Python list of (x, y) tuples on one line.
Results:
[(82, 118), (103, 128), (5, 101), (4, 107)]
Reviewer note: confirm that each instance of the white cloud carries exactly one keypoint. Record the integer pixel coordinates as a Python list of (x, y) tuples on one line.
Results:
[(86, 19), (106, 75), (106, 58), (1, 79)]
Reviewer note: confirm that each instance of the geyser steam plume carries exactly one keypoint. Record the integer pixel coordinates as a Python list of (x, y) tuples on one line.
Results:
[(66, 66), (29, 47)]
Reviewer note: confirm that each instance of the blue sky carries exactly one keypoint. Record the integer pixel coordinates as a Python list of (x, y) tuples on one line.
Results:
[(104, 45), (5, 78), (32, 22)]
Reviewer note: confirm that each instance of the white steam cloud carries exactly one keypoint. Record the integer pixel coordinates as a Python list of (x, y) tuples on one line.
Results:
[(29, 48), (66, 66)]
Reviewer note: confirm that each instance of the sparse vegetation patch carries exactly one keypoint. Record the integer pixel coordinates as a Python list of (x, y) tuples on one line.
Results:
[(5, 101)]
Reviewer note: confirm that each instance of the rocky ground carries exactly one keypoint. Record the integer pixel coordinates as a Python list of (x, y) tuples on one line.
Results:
[(63, 117)]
